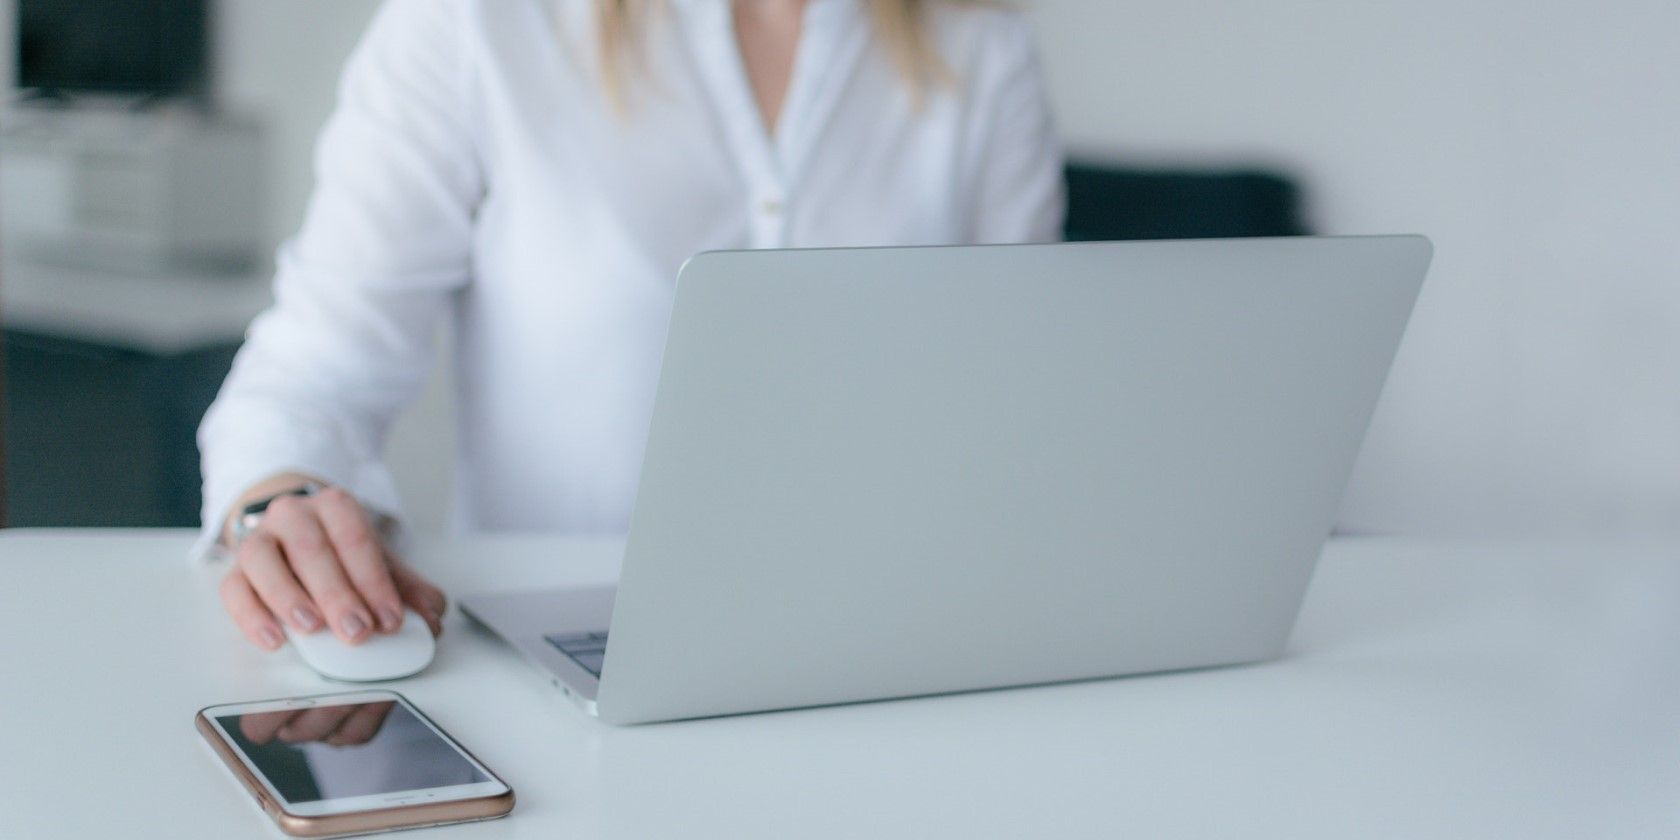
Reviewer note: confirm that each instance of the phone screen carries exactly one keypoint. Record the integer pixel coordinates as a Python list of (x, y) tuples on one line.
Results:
[(338, 751)]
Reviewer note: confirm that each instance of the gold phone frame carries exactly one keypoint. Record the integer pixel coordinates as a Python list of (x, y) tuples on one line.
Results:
[(368, 821)]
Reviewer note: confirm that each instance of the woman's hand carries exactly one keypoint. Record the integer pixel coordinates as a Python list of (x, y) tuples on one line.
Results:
[(317, 561)]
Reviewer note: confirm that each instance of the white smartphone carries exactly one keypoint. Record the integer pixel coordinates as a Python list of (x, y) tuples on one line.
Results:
[(357, 763)]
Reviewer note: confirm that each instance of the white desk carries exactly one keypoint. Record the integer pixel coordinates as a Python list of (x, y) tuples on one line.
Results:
[(1433, 690)]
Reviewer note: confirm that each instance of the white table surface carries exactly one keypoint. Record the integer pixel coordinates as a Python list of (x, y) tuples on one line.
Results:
[(1432, 690)]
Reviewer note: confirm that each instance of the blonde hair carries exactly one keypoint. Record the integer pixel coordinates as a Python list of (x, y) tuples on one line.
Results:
[(900, 25)]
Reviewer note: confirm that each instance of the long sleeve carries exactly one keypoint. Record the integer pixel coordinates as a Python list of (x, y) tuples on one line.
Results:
[(1021, 195), (360, 290)]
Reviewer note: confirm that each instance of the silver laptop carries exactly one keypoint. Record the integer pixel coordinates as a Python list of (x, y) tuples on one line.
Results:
[(889, 472)]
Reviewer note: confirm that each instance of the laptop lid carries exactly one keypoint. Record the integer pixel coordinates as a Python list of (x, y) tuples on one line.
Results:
[(886, 472)]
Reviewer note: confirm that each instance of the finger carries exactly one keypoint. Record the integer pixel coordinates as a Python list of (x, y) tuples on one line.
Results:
[(318, 568), (419, 593), (315, 724), (361, 725), (260, 727), (358, 547), (264, 566), (249, 614)]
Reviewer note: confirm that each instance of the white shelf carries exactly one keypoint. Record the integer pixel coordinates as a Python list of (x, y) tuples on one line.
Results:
[(155, 313)]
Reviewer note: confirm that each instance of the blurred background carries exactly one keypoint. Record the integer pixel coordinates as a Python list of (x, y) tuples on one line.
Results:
[(1538, 390)]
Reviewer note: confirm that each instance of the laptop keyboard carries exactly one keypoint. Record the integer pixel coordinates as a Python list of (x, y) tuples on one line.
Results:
[(586, 649)]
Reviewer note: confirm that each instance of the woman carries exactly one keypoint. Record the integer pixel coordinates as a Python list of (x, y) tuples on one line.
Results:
[(535, 172)]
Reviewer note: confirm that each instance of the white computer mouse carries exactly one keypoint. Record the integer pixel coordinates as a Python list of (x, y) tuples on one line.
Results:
[(382, 657)]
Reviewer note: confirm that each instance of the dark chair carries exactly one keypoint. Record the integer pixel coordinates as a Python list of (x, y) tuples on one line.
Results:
[(101, 435), (1107, 202)]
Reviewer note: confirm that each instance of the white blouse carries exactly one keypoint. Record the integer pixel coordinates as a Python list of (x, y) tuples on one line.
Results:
[(474, 170)]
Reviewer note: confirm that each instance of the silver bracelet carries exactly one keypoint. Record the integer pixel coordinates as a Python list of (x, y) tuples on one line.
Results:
[(252, 514)]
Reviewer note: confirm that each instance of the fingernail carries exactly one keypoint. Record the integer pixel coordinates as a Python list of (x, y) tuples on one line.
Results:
[(270, 637), (306, 618), (353, 625), (389, 618)]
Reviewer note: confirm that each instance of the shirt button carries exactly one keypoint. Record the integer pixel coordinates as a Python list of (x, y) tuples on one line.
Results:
[(770, 207)]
